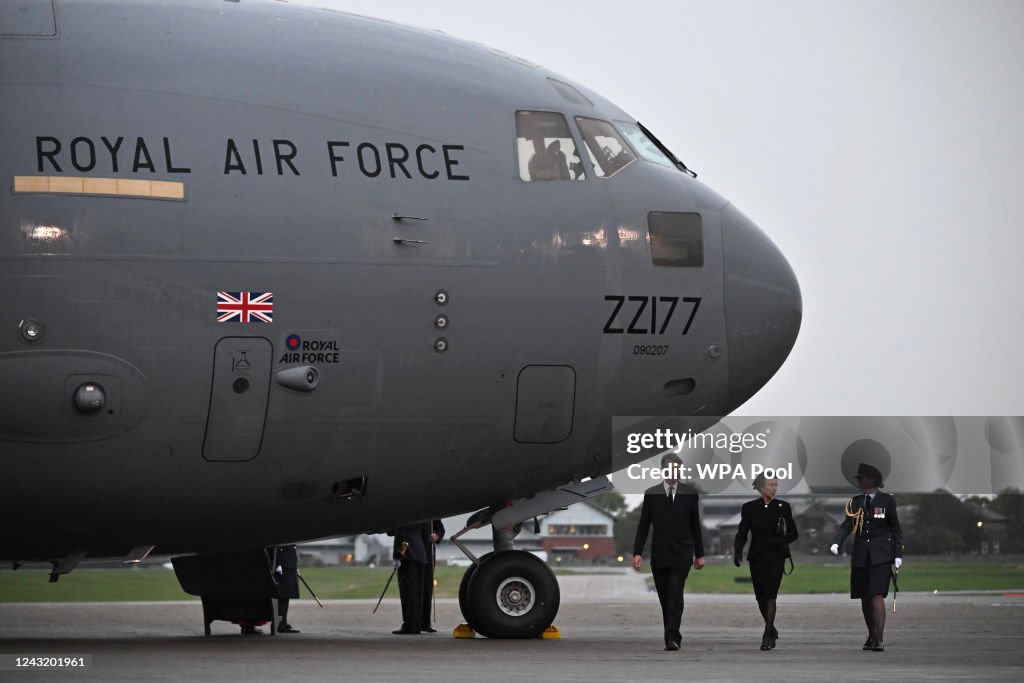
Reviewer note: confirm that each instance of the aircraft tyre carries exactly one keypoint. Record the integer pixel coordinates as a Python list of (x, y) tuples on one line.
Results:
[(465, 604), (513, 595)]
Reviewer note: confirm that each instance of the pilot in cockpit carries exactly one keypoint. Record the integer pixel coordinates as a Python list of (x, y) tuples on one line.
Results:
[(549, 164)]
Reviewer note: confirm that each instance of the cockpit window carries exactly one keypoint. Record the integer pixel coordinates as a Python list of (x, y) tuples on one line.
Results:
[(546, 148), (608, 151), (643, 144), (650, 147)]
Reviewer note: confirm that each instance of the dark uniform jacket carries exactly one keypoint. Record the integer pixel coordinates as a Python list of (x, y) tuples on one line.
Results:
[(763, 523), (880, 541), (418, 538), (288, 557), (677, 532)]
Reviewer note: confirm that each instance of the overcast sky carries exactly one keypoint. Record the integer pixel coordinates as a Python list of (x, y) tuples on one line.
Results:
[(879, 144)]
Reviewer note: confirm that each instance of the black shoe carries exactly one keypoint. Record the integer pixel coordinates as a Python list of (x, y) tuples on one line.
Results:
[(251, 631), (403, 632), (428, 629), (775, 633), (672, 646), (870, 643), (766, 643), (878, 647), (287, 628)]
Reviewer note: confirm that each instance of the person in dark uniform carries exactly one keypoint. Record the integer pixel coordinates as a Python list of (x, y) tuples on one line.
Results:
[(287, 572), (413, 565), (678, 543), (770, 524), (435, 532), (548, 164), (877, 545)]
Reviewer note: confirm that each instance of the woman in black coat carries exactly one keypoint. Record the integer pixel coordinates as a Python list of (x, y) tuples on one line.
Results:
[(771, 526)]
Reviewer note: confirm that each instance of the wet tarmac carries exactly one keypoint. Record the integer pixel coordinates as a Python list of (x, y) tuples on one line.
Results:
[(610, 628)]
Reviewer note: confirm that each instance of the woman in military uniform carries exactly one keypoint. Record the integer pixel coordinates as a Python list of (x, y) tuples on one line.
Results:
[(770, 524), (877, 545)]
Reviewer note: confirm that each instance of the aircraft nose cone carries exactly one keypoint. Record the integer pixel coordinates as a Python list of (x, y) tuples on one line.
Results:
[(763, 307)]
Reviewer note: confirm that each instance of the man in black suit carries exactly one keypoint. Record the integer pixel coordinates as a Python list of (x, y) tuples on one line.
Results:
[(677, 544), (435, 532), (413, 565), (877, 545)]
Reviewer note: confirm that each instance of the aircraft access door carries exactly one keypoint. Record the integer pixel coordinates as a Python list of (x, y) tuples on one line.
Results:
[(545, 403), (238, 399)]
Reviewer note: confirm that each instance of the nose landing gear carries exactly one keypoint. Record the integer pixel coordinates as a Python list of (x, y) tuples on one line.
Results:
[(510, 594)]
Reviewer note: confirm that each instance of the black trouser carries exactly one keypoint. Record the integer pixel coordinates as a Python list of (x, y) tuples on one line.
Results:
[(670, 582), (410, 589), (428, 594)]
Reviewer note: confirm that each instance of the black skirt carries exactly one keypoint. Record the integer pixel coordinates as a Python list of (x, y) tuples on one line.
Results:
[(870, 580), (766, 575)]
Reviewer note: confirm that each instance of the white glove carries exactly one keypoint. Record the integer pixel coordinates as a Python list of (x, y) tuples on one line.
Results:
[(278, 570), (397, 564), (899, 562), (834, 549)]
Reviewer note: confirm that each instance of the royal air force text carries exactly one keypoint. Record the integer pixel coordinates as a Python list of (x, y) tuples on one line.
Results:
[(281, 157)]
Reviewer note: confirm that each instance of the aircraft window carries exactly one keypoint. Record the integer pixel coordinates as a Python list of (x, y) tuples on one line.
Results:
[(608, 151), (644, 146), (546, 148), (677, 239), (570, 93)]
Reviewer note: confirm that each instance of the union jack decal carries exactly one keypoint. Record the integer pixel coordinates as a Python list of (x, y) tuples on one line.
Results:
[(245, 307)]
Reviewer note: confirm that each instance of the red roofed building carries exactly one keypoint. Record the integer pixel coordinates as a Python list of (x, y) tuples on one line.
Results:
[(580, 533)]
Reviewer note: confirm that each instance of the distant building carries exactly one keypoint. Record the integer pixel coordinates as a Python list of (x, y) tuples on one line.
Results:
[(817, 521), (993, 529), (580, 533), (720, 517), (364, 549)]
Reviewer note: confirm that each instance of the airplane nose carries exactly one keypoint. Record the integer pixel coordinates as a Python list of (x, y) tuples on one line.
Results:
[(763, 307)]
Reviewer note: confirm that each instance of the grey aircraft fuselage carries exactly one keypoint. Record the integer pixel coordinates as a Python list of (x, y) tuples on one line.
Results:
[(459, 361)]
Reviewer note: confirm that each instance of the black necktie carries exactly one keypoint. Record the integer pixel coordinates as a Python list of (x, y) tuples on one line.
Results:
[(671, 494)]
